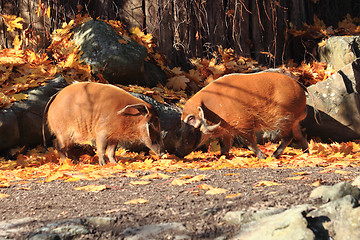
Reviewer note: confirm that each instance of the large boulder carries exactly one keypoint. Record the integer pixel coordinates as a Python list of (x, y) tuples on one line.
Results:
[(119, 60), (22, 123), (339, 51), (337, 101)]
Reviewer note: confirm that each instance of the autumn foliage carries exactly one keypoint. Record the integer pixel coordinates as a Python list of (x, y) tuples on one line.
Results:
[(22, 69)]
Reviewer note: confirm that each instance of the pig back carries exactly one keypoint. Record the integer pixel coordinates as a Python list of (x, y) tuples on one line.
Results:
[(81, 110), (250, 101)]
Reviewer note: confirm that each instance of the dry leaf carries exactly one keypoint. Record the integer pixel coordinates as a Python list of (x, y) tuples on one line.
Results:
[(342, 172), (266, 183), (178, 182), (2, 195), (156, 176), (296, 178), (178, 82), (317, 183), (216, 191), (196, 178), (92, 188), (137, 201), (205, 187), (139, 182), (233, 195)]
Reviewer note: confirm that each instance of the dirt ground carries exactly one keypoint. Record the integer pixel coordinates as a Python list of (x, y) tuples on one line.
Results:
[(188, 204)]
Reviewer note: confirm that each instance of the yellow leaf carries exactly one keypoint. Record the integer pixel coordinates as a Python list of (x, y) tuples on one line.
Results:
[(196, 178), (296, 178), (139, 182), (56, 175), (2, 195), (205, 187), (266, 183), (17, 43), (19, 96), (23, 188), (178, 83), (130, 174), (233, 195), (214, 191), (341, 172), (12, 22), (48, 12), (92, 188), (156, 176), (4, 185), (301, 173), (178, 182), (137, 201)]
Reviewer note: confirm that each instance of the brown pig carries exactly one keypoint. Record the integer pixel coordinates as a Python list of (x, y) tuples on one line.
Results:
[(241, 105), (104, 114)]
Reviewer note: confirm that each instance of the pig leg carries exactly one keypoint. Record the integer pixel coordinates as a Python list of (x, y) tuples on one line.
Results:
[(299, 137), (111, 151), (101, 148), (226, 143), (285, 141), (61, 148), (250, 142)]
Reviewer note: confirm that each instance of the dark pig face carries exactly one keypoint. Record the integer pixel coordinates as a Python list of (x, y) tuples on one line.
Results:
[(194, 131), (190, 138)]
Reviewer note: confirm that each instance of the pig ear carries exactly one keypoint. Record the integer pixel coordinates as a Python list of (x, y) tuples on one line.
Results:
[(142, 108), (191, 120), (205, 128)]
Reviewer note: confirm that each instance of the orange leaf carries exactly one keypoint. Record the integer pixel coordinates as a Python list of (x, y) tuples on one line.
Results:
[(296, 178), (55, 176), (137, 201), (317, 183), (342, 172), (233, 195)]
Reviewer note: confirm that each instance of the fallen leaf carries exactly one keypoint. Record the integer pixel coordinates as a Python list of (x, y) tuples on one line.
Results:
[(196, 178), (112, 210), (214, 191), (205, 187), (3, 195), (296, 178), (342, 172), (301, 173), (156, 176), (137, 201), (233, 195), (92, 188), (316, 183), (178, 182), (178, 82), (139, 182), (266, 183)]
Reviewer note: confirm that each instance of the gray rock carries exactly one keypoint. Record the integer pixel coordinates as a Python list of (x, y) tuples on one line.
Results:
[(153, 231), (101, 221), (339, 218), (119, 63), (290, 224), (244, 217), (29, 113), (339, 51), (170, 122), (339, 190), (337, 99)]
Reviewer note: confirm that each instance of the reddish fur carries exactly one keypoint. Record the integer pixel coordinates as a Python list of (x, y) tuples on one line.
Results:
[(246, 103), (89, 112)]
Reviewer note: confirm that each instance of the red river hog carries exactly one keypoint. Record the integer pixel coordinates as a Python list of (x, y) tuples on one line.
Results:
[(241, 105), (104, 114)]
